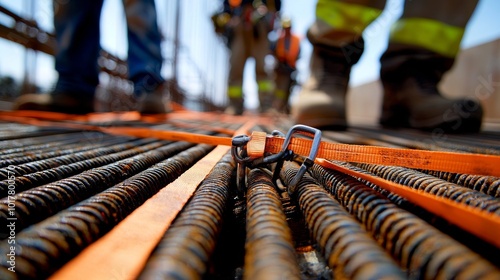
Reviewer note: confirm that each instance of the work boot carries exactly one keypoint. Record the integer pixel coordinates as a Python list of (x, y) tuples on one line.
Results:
[(267, 102), (281, 105), (155, 102), (235, 106), (411, 95), (322, 101), (56, 102)]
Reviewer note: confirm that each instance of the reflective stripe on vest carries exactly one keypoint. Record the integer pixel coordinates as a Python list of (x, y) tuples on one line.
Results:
[(291, 54), (346, 17), (430, 34)]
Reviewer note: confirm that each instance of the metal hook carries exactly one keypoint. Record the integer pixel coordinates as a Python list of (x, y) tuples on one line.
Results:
[(309, 161), (238, 152)]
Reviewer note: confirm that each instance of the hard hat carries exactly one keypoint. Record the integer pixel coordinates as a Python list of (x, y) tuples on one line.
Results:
[(286, 22), (234, 3)]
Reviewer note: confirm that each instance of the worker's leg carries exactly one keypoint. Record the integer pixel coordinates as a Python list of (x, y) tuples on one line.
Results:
[(337, 45), (144, 56), (238, 57), (260, 49), (77, 49), (423, 45)]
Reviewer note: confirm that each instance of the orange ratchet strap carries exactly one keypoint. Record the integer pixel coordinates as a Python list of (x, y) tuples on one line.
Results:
[(465, 163), (263, 148), (259, 144), (481, 223)]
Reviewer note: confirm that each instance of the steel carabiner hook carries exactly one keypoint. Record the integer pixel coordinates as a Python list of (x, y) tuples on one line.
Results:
[(304, 130), (239, 153)]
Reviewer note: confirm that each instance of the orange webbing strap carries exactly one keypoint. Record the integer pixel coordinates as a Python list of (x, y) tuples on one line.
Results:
[(419, 159), (92, 117), (465, 163), (126, 131), (168, 135), (481, 223)]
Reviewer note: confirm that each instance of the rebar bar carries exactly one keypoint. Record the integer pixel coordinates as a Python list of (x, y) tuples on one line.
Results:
[(185, 249), (57, 149), (269, 250), (44, 247), (486, 184), (441, 188), (84, 161), (39, 203), (410, 240), (349, 250)]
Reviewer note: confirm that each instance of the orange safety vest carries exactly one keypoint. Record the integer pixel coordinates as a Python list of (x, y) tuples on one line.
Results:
[(291, 54)]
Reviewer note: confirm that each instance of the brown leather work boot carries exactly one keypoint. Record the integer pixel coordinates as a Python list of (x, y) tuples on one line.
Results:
[(412, 98), (155, 102), (322, 100), (235, 106), (56, 102)]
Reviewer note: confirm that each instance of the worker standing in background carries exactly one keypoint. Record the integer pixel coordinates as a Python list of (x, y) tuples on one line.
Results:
[(423, 45), (286, 51), (246, 25), (77, 30)]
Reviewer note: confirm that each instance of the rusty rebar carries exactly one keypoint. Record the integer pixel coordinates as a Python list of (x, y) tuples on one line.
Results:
[(439, 187), (34, 174), (422, 250), (269, 250), (46, 246), (39, 203), (54, 150), (489, 185), (185, 249), (349, 249)]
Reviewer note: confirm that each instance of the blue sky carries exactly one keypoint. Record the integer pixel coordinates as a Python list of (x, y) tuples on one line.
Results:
[(484, 26)]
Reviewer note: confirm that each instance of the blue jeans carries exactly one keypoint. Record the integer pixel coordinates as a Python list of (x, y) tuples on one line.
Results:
[(77, 34)]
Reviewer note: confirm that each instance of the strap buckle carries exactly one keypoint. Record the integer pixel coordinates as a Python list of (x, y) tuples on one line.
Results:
[(239, 153)]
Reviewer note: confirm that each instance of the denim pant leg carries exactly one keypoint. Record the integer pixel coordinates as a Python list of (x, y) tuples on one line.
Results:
[(144, 45), (77, 36)]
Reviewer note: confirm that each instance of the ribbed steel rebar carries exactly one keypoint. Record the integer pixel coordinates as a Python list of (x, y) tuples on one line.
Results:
[(350, 251), (439, 187), (424, 251), (38, 161), (269, 250), (22, 131), (39, 203), (15, 146), (44, 247), (51, 150), (46, 171), (486, 184), (185, 250)]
